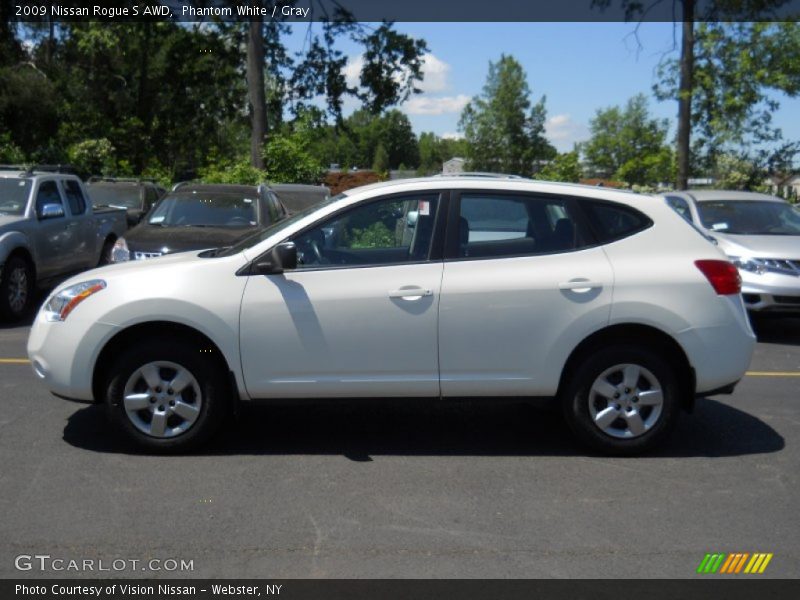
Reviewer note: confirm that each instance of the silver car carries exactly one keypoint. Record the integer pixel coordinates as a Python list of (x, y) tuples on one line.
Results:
[(759, 233)]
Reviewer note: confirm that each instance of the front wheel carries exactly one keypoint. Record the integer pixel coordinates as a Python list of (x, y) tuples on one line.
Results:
[(623, 400), (167, 396), (16, 288)]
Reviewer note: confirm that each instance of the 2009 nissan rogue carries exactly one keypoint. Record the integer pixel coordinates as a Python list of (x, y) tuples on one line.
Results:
[(606, 301)]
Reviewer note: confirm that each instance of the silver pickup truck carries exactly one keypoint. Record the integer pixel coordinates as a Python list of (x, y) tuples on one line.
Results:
[(48, 230)]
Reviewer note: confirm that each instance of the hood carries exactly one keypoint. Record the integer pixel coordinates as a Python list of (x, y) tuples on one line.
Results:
[(9, 220), (154, 238), (759, 246)]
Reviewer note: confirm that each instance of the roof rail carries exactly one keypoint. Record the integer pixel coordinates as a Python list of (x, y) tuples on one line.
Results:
[(96, 178), (13, 167), (480, 174)]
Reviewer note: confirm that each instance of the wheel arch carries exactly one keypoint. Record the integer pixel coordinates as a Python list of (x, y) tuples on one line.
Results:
[(633, 333), (138, 331)]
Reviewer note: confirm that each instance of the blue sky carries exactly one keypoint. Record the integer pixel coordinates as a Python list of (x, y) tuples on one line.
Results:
[(580, 67)]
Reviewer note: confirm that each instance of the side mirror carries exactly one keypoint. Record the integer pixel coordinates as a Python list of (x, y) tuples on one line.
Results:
[(281, 258), (51, 211)]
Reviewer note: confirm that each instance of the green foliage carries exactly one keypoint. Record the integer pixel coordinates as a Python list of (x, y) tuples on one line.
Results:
[(287, 160), (504, 131), (10, 153), (738, 173), (628, 145), (435, 151), (93, 157), (380, 163), (377, 235), (240, 172), (564, 167)]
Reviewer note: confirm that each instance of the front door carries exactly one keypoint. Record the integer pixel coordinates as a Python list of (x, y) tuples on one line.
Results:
[(359, 315)]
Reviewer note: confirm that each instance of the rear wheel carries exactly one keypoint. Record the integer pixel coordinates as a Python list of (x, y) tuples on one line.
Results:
[(623, 400), (16, 288), (167, 396)]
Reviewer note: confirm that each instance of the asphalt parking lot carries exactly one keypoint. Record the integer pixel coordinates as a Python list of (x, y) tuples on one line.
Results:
[(405, 491)]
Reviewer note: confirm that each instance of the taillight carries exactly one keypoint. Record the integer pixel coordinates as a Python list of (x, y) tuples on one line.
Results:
[(722, 276)]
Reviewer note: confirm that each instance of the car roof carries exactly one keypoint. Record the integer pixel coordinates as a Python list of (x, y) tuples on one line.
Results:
[(224, 188), (735, 195), (297, 187)]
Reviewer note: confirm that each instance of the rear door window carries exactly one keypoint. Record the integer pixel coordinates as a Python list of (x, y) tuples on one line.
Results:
[(495, 225), (75, 199)]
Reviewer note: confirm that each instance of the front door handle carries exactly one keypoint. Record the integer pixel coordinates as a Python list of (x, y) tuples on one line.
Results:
[(410, 293), (580, 286)]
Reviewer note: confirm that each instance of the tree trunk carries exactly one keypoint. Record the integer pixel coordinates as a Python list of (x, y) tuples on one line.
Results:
[(255, 93), (685, 95)]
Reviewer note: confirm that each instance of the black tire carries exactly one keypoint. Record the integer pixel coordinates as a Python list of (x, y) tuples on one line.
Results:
[(578, 401), (209, 374), (105, 253), (12, 306)]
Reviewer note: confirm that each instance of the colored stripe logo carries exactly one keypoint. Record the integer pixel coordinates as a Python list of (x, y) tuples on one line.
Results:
[(734, 563)]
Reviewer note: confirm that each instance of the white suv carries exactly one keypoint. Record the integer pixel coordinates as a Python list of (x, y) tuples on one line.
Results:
[(605, 301)]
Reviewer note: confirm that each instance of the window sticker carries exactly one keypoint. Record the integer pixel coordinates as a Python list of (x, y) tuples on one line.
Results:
[(719, 226), (424, 208), (248, 200), (157, 219)]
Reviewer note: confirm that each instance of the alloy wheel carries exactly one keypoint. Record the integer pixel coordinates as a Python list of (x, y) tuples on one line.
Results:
[(625, 401)]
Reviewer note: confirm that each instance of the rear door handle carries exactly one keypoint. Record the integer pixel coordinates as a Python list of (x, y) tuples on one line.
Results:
[(410, 293), (579, 286)]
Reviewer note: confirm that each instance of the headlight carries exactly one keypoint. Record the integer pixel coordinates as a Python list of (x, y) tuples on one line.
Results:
[(120, 252), (64, 302), (749, 264)]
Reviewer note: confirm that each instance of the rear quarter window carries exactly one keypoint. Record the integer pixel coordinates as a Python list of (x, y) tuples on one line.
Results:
[(611, 221)]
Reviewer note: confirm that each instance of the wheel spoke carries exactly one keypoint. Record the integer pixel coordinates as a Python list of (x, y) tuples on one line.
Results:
[(180, 381), (137, 401), (606, 417), (186, 411), (159, 423), (651, 398), (631, 376), (635, 423), (152, 376), (603, 388)]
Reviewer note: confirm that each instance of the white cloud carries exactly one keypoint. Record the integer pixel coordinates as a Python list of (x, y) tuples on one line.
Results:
[(436, 73), (563, 131), (432, 105)]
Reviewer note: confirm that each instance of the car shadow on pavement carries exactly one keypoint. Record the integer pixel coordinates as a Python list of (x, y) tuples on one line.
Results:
[(775, 329), (361, 430)]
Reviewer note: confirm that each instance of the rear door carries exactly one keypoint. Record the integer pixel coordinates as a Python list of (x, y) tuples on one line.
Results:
[(524, 282), (51, 232)]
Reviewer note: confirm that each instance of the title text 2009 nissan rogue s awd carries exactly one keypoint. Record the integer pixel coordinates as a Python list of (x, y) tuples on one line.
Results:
[(606, 301)]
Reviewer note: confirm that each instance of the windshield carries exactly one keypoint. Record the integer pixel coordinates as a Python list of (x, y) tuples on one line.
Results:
[(204, 209), (263, 234), (107, 195), (750, 217), (14, 195)]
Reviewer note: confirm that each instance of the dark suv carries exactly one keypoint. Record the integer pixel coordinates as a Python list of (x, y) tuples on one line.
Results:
[(136, 196), (199, 216)]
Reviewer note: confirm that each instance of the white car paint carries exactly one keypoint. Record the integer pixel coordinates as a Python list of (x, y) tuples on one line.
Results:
[(503, 326)]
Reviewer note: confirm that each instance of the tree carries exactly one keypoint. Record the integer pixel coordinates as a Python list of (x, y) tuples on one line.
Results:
[(381, 162), (683, 70), (736, 65), (627, 145), (564, 167), (504, 131)]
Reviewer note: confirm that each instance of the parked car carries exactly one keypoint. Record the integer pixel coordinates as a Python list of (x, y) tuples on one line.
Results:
[(48, 230), (759, 233), (439, 287), (136, 196), (297, 196), (200, 216)]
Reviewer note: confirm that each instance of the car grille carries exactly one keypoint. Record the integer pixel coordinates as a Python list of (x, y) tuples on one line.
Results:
[(789, 266), (145, 255)]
